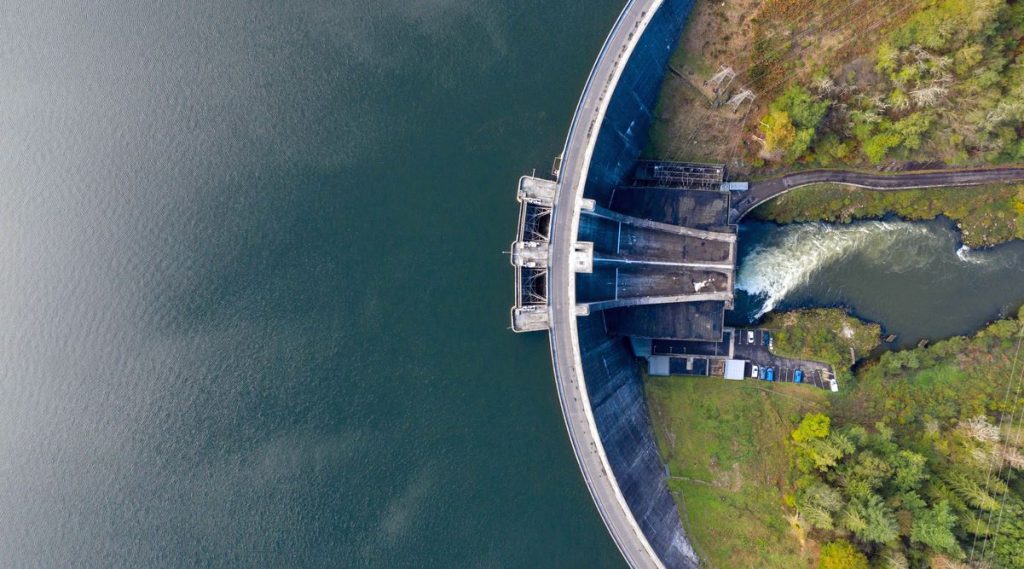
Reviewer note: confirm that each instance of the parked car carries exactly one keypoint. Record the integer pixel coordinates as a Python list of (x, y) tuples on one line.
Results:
[(798, 376), (766, 338), (770, 374), (750, 336), (753, 371)]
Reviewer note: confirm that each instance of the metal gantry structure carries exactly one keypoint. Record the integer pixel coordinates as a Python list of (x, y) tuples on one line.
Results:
[(530, 253), (679, 175), (721, 80)]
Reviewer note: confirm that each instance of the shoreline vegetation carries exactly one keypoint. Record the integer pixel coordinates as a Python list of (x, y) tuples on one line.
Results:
[(986, 215), (912, 464), (828, 335)]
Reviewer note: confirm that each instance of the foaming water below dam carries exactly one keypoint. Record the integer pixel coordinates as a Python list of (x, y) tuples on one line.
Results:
[(915, 278)]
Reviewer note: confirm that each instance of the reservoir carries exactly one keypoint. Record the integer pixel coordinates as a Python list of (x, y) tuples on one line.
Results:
[(914, 278), (253, 295)]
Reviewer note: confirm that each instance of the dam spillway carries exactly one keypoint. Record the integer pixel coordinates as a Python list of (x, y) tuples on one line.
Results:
[(616, 253)]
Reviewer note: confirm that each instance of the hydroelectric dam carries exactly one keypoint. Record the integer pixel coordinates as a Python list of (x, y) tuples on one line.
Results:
[(622, 259), (613, 253)]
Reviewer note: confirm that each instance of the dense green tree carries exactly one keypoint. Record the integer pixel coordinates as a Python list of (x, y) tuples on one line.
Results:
[(1003, 329), (970, 491), (870, 519), (805, 110), (909, 470), (812, 426), (779, 132), (892, 558), (1006, 546), (946, 24), (918, 489), (934, 528), (823, 453), (792, 122), (878, 146), (886, 136), (817, 503)]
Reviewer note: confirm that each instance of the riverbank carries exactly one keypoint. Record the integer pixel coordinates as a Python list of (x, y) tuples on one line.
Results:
[(986, 215), (894, 84), (941, 427), (769, 45)]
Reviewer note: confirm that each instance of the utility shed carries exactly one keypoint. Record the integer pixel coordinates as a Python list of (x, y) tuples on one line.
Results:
[(734, 369), (658, 365)]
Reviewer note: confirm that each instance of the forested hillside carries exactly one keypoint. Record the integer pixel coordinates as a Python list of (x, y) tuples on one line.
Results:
[(945, 86), (920, 463), (889, 84)]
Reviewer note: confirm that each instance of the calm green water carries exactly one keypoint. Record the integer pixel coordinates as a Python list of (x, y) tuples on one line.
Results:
[(253, 302)]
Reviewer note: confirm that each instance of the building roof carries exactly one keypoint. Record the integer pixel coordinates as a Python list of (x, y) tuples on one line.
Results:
[(735, 369), (658, 365)]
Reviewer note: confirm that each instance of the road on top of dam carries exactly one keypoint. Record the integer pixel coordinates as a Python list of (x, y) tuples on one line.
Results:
[(565, 354)]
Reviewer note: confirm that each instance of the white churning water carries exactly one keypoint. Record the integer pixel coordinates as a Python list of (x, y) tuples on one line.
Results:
[(798, 252)]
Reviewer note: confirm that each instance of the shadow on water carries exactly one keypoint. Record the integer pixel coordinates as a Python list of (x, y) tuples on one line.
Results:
[(916, 279)]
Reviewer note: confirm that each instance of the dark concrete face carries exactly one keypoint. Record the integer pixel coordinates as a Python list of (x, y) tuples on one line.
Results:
[(680, 321), (641, 243), (700, 209), (627, 262), (620, 411)]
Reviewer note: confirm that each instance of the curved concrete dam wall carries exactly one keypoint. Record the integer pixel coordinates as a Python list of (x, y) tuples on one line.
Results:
[(611, 371)]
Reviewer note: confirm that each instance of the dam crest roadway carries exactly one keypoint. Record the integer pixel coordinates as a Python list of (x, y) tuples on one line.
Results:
[(550, 215)]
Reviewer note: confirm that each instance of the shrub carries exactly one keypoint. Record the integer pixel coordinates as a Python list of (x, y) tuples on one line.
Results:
[(842, 555)]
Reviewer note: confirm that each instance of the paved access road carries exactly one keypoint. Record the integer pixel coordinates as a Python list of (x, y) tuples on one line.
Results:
[(765, 190)]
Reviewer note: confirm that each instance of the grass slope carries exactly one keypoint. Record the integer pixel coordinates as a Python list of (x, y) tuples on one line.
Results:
[(725, 447)]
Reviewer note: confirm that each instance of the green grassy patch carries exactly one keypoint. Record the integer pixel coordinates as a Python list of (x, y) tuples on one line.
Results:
[(987, 215), (823, 334), (725, 445)]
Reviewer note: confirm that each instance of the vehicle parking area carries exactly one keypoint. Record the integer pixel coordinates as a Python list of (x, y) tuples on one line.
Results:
[(755, 347)]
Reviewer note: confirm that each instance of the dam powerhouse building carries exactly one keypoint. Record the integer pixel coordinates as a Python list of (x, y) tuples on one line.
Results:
[(620, 259)]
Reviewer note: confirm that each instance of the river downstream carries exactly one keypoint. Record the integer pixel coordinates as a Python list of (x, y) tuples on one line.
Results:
[(914, 278)]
